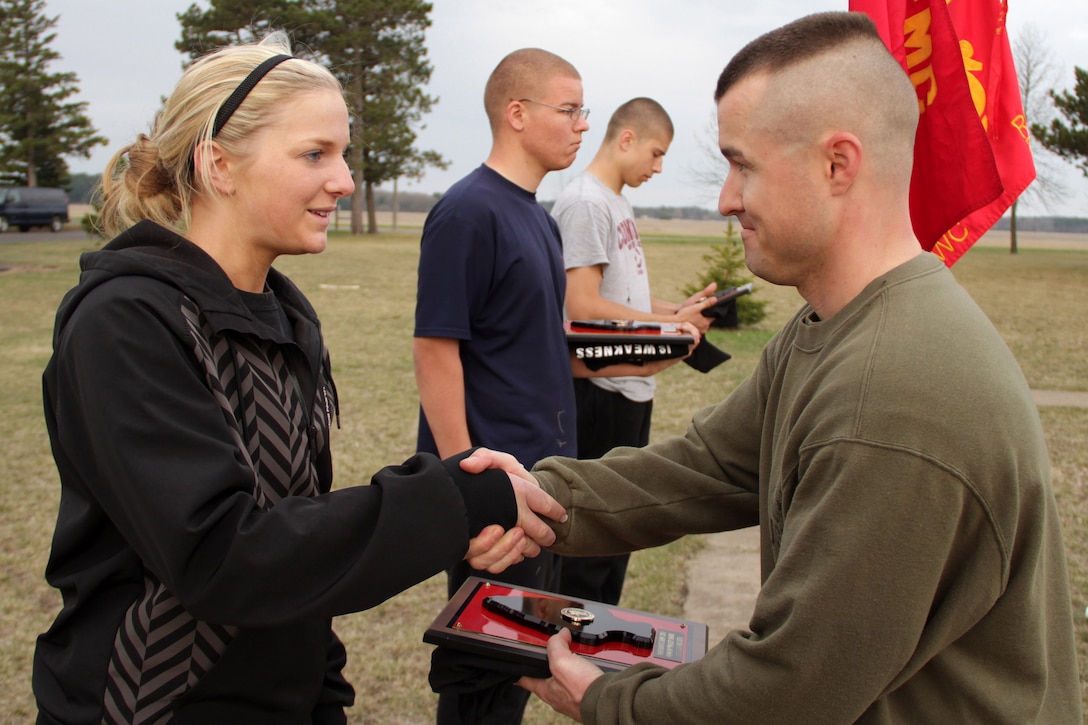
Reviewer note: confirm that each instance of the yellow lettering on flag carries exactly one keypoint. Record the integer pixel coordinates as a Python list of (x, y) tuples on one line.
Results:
[(973, 66), (1020, 123), (972, 153), (919, 42), (947, 244)]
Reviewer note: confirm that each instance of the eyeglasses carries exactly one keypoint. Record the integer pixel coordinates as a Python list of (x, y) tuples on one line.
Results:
[(574, 113)]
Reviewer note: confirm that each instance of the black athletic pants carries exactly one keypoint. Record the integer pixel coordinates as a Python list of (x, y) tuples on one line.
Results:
[(605, 420)]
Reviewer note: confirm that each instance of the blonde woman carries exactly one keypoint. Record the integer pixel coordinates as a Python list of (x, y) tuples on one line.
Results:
[(198, 549)]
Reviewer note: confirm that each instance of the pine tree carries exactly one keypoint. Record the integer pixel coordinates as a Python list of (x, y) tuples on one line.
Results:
[(230, 22), (1070, 142), (39, 126), (726, 268), (375, 47)]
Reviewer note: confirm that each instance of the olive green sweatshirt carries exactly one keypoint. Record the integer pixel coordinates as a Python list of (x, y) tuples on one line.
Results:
[(912, 561)]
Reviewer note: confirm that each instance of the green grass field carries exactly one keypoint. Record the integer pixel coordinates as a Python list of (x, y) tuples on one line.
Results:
[(364, 289)]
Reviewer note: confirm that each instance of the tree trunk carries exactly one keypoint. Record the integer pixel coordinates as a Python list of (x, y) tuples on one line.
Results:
[(31, 168), (357, 203), (1013, 246), (358, 148), (395, 203), (371, 212)]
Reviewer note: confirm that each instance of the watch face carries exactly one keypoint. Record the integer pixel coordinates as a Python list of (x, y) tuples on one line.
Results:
[(576, 616)]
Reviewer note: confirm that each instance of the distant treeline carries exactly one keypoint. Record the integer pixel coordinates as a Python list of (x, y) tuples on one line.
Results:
[(664, 212), (1060, 224), (82, 187), (83, 184), (676, 212)]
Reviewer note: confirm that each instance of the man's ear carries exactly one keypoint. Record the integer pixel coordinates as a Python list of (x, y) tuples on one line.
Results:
[(210, 155), (627, 139), (515, 115), (842, 155)]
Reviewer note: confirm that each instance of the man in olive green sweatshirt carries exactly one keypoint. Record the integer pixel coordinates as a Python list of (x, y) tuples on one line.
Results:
[(887, 445)]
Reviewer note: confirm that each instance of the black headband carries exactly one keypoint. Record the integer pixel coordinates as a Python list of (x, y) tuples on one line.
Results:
[(235, 99)]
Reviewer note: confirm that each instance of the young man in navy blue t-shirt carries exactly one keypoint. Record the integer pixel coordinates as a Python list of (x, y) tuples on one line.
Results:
[(491, 358)]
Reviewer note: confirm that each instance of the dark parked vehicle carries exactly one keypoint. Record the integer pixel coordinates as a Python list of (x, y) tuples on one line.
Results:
[(25, 207)]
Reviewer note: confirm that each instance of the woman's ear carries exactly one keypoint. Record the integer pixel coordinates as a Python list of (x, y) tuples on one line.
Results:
[(209, 157), (843, 154)]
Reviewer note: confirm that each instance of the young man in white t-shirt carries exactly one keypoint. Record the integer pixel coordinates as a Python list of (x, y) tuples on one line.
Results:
[(607, 279)]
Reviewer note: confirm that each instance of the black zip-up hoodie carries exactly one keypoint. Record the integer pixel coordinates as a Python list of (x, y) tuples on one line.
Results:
[(197, 533)]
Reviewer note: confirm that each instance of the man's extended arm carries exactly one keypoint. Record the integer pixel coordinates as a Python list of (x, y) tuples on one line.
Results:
[(441, 382)]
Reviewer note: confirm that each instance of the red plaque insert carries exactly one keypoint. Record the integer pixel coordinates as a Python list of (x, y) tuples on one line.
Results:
[(513, 624)]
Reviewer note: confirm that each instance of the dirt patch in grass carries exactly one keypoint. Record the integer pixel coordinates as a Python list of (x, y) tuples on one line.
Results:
[(4, 269)]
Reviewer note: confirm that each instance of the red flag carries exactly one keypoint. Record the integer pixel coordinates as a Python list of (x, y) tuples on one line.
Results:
[(971, 154)]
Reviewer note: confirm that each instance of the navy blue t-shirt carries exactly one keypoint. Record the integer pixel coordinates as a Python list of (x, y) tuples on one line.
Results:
[(491, 275)]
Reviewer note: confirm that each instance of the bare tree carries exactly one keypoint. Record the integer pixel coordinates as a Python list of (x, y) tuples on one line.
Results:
[(1037, 72), (710, 168)]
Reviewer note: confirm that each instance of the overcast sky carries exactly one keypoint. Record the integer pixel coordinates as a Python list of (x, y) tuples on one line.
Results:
[(123, 52)]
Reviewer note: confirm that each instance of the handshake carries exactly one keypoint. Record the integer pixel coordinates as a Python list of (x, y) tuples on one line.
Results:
[(494, 549)]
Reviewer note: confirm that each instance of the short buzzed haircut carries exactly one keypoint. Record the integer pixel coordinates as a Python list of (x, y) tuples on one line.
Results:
[(522, 74), (832, 70), (794, 43), (644, 116)]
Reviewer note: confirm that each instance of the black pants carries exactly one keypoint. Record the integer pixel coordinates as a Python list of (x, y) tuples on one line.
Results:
[(472, 691), (605, 420)]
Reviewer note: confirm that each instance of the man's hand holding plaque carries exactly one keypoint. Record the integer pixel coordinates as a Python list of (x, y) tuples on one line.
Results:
[(571, 677)]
